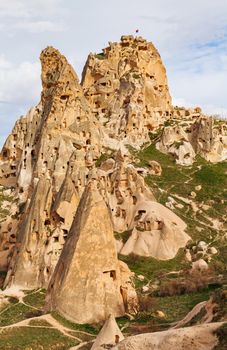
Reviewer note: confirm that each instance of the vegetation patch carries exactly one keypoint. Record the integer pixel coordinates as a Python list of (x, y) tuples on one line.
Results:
[(25, 338), (74, 326), (13, 314), (152, 268), (100, 56), (35, 299)]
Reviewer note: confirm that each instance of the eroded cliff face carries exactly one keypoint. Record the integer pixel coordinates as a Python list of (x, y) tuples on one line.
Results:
[(88, 270), (59, 128), (127, 88), (191, 133), (57, 149)]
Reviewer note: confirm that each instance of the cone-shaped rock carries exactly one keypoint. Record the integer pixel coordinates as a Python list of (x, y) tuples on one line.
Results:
[(45, 141), (110, 334), (86, 284)]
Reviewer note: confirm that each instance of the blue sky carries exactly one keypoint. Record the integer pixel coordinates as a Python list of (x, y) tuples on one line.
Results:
[(190, 36)]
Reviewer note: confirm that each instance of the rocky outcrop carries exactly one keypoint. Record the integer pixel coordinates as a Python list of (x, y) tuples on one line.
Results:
[(110, 334), (52, 154), (126, 86), (88, 270), (156, 232), (16, 157), (192, 134), (124, 188), (57, 130), (209, 140), (8, 226), (196, 337)]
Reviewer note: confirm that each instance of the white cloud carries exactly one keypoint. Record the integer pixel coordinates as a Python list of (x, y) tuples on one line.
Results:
[(36, 16), (30, 8), (19, 83), (4, 64), (39, 26), (19, 90)]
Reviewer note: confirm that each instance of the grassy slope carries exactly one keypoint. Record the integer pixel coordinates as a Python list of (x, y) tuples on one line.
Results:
[(34, 338), (175, 180), (181, 181)]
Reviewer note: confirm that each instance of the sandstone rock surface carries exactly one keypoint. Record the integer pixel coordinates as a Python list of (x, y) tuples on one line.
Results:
[(127, 88), (59, 128), (88, 270), (53, 151), (157, 232), (110, 334), (196, 337)]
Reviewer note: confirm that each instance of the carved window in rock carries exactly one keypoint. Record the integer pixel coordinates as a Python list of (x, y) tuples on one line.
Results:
[(111, 274), (47, 222), (139, 214), (160, 224), (5, 153), (65, 234), (123, 213), (134, 199), (56, 239), (33, 154), (64, 97)]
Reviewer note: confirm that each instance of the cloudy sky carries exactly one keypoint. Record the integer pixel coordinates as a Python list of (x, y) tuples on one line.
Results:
[(190, 35)]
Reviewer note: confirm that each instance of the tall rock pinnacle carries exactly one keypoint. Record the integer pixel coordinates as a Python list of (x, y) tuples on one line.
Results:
[(87, 284), (126, 86), (60, 126)]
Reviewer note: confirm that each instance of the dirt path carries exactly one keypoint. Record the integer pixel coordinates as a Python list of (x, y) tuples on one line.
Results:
[(53, 323)]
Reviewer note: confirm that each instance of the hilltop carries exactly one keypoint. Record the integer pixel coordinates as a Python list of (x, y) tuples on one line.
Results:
[(113, 202)]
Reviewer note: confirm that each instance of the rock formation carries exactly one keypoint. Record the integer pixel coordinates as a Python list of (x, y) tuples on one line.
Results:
[(59, 128), (193, 133), (88, 270), (84, 178), (156, 232), (110, 334), (126, 86), (197, 337), (55, 150)]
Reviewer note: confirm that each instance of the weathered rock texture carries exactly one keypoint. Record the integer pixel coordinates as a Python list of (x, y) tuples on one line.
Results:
[(197, 337), (58, 129), (126, 86), (191, 133), (89, 283), (156, 232), (53, 151), (110, 334)]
